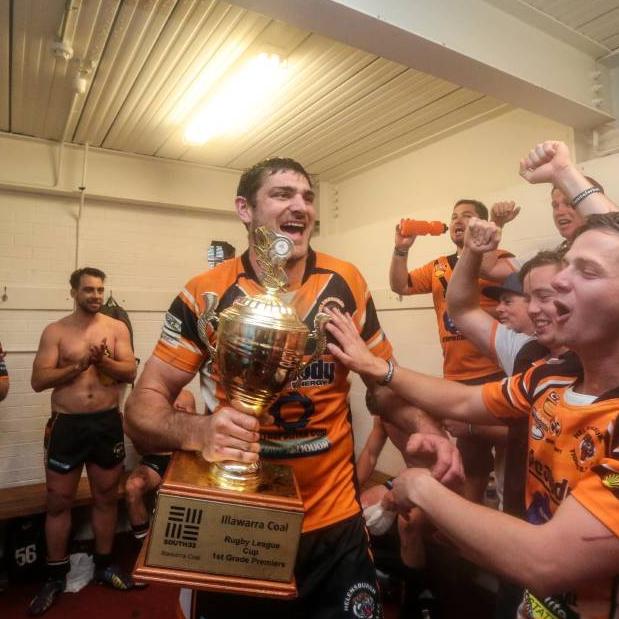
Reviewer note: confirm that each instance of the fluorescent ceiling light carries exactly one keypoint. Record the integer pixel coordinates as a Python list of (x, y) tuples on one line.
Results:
[(214, 70), (242, 99)]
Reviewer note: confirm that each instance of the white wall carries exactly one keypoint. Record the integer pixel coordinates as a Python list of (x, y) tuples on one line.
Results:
[(147, 253)]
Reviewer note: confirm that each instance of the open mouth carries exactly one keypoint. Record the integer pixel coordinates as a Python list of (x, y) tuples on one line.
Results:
[(563, 311), (293, 229)]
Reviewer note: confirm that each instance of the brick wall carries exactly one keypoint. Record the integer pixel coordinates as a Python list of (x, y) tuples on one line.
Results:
[(147, 254)]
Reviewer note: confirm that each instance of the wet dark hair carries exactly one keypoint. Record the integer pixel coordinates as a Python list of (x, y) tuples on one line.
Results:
[(541, 259), (252, 179), (480, 207), (76, 276)]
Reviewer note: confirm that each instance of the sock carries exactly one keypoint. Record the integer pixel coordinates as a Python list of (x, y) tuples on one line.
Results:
[(102, 560), (58, 570), (140, 530)]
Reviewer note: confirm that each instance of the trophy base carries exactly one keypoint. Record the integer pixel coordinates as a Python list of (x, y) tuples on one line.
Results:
[(207, 537)]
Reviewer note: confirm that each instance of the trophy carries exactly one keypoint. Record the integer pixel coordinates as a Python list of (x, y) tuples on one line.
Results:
[(231, 526)]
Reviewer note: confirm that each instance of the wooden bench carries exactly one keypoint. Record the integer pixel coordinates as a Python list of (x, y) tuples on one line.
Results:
[(28, 500)]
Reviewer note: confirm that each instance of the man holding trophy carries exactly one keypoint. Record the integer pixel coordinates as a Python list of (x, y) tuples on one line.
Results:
[(306, 418)]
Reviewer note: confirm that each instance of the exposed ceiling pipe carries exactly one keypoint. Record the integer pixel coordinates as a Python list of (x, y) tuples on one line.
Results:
[(80, 84), (63, 49), (82, 190)]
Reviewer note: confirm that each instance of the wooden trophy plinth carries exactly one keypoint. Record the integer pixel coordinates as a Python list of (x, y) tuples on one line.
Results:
[(207, 537)]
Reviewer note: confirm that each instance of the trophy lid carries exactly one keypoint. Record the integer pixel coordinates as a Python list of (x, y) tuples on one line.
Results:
[(266, 308)]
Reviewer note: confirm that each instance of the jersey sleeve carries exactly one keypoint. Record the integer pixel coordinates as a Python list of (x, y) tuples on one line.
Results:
[(179, 343), (598, 490), (508, 398), (4, 374), (420, 280)]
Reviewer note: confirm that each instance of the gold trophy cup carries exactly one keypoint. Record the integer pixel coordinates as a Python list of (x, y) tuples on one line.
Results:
[(232, 526)]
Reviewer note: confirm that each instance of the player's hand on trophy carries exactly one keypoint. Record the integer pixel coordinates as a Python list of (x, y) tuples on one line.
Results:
[(231, 435), (351, 350), (437, 453)]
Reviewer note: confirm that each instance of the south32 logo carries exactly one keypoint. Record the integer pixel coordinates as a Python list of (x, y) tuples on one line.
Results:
[(183, 526)]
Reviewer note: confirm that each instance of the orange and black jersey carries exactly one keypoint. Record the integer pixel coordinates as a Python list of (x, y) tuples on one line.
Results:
[(4, 374), (312, 430), (573, 449), (461, 360)]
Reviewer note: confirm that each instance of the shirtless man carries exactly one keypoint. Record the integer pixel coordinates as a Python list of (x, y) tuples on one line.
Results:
[(84, 358), (148, 474)]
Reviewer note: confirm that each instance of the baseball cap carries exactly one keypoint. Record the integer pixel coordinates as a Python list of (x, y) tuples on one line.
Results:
[(511, 284)]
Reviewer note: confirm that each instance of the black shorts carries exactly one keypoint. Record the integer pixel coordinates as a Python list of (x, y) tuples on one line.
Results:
[(157, 462), (335, 577), (74, 438)]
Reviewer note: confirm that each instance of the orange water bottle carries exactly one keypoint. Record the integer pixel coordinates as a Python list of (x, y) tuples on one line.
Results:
[(417, 227)]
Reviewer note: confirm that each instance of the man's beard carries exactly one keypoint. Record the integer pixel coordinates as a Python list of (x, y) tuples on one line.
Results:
[(85, 307)]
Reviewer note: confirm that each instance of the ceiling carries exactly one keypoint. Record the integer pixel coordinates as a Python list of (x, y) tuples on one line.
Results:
[(340, 109), (595, 19)]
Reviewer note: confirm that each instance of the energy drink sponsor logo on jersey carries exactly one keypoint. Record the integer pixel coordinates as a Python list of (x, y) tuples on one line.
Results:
[(171, 331), (317, 374), (294, 445), (558, 490), (548, 608)]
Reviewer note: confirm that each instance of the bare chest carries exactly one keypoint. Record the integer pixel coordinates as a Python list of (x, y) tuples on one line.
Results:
[(75, 343)]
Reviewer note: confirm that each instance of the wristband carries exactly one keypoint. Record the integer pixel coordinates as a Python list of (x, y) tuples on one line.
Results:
[(577, 199), (388, 483), (400, 252), (389, 374)]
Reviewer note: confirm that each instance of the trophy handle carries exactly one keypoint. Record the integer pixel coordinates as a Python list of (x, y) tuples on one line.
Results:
[(207, 316), (319, 337)]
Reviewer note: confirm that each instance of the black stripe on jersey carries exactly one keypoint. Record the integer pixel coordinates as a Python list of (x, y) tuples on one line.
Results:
[(310, 265), (228, 298), (567, 366), (249, 269), (611, 394), (530, 352), (188, 321), (371, 326), (3, 370)]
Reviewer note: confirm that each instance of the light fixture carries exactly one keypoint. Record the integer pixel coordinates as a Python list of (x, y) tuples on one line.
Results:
[(241, 100)]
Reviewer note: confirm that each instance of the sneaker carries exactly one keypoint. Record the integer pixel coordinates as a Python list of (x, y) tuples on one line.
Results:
[(46, 597), (114, 577)]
